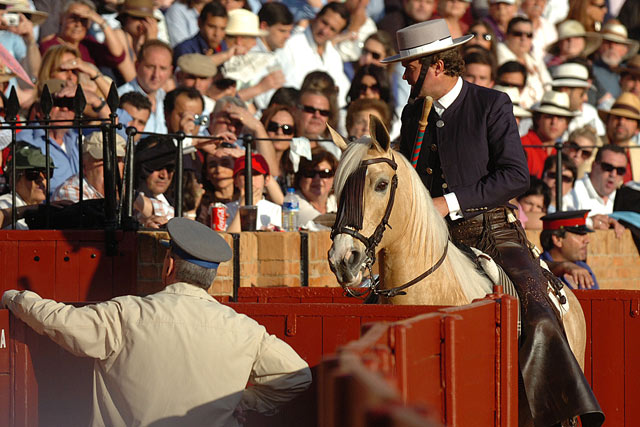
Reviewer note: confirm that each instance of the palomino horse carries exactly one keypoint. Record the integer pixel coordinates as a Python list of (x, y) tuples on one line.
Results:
[(397, 213)]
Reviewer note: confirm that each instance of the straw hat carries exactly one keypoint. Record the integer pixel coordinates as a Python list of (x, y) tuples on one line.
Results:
[(570, 74), (627, 105), (244, 23), (615, 32), (571, 28), (424, 38), (632, 66), (138, 8), (22, 6), (514, 95), (554, 103), (93, 145)]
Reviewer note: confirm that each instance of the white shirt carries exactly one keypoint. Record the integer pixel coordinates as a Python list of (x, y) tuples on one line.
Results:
[(584, 196), (156, 122), (299, 57), (178, 357), (5, 202)]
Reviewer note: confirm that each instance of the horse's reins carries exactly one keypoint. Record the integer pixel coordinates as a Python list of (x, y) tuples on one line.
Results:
[(372, 241)]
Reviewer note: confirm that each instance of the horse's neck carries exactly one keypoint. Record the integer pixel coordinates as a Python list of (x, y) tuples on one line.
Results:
[(410, 254)]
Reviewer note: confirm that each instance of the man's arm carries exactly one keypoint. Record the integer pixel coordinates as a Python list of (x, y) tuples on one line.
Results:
[(278, 375), (92, 331)]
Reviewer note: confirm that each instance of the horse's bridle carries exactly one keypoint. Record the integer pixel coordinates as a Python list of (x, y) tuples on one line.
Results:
[(372, 241)]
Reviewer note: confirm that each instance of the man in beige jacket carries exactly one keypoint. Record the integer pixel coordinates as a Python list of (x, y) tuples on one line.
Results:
[(177, 357)]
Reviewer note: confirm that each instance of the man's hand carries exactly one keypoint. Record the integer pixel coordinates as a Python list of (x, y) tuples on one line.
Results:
[(574, 274), (7, 297), (441, 206), (605, 222)]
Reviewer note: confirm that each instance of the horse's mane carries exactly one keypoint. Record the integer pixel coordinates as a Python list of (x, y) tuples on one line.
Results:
[(430, 228), (349, 162)]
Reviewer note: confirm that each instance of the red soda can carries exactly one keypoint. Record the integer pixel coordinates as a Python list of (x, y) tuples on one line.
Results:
[(218, 216)]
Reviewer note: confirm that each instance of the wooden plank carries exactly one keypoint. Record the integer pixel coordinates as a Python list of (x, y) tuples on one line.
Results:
[(608, 362), (418, 356), (338, 331), (67, 272), (8, 265), (5, 337), (470, 364), (5, 400), (631, 358), (125, 265), (36, 267), (95, 278)]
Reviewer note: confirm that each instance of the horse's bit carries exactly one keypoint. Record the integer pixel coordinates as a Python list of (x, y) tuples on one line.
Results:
[(372, 241)]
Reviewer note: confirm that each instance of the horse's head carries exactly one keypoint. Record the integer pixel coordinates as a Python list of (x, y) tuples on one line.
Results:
[(365, 186)]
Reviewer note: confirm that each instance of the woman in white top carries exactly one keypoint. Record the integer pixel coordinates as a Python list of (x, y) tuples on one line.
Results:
[(314, 185)]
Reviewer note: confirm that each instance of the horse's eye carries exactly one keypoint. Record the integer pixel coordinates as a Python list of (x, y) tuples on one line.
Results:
[(382, 186)]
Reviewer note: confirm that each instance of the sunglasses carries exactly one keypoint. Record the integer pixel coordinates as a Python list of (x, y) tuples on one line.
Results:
[(63, 102), (274, 126), (551, 175), (36, 174), (608, 167), (312, 110), (374, 55), (373, 87), (574, 147), (80, 19), (312, 173), (521, 33), (488, 37)]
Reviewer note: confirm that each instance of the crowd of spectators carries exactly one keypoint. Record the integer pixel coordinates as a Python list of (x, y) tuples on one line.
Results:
[(279, 72)]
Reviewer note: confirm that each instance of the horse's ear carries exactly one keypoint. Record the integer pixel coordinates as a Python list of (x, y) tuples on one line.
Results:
[(379, 134), (337, 138)]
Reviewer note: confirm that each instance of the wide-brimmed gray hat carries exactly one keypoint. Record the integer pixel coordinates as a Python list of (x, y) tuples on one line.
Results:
[(425, 38), (196, 243), (572, 28), (554, 103), (570, 74), (614, 31)]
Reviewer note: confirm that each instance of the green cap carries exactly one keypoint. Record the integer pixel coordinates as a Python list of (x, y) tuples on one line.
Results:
[(30, 157)]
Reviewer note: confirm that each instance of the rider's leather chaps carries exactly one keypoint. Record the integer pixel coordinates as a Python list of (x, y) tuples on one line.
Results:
[(554, 385)]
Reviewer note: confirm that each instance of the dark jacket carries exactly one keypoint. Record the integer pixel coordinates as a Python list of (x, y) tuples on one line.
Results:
[(478, 149)]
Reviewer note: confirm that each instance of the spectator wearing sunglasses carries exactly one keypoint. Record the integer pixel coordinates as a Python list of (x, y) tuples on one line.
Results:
[(93, 167), (544, 31), (549, 176), (76, 17), (581, 147), (279, 121), (483, 38), (313, 114), (63, 142), (155, 158), (517, 47), (623, 126), (314, 185), (31, 182), (596, 191), (269, 214)]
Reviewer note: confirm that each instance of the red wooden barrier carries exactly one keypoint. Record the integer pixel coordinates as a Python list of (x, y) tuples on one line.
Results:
[(69, 265), (458, 363)]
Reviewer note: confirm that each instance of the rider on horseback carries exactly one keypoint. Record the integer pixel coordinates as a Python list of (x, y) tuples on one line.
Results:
[(473, 164)]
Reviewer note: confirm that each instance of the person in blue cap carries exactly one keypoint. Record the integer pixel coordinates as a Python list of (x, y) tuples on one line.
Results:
[(565, 238), (177, 357)]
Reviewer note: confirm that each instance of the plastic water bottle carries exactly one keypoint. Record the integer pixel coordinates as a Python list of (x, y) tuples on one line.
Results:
[(290, 211)]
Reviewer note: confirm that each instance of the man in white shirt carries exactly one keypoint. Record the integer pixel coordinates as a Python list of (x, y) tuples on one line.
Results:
[(177, 357), (153, 69), (312, 50), (596, 191)]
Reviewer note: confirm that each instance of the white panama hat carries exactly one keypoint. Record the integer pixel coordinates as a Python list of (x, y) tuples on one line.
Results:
[(244, 23), (554, 103), (570, 74), (424, 38)]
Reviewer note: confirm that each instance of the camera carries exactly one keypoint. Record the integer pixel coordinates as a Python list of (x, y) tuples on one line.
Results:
[(200, 120), (11, 19)]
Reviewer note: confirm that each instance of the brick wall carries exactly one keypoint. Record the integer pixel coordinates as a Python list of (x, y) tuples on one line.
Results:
[(269, 259)]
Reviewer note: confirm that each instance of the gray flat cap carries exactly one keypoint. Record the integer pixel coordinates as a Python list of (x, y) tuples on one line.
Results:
[(197, 65), (197, 243)]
